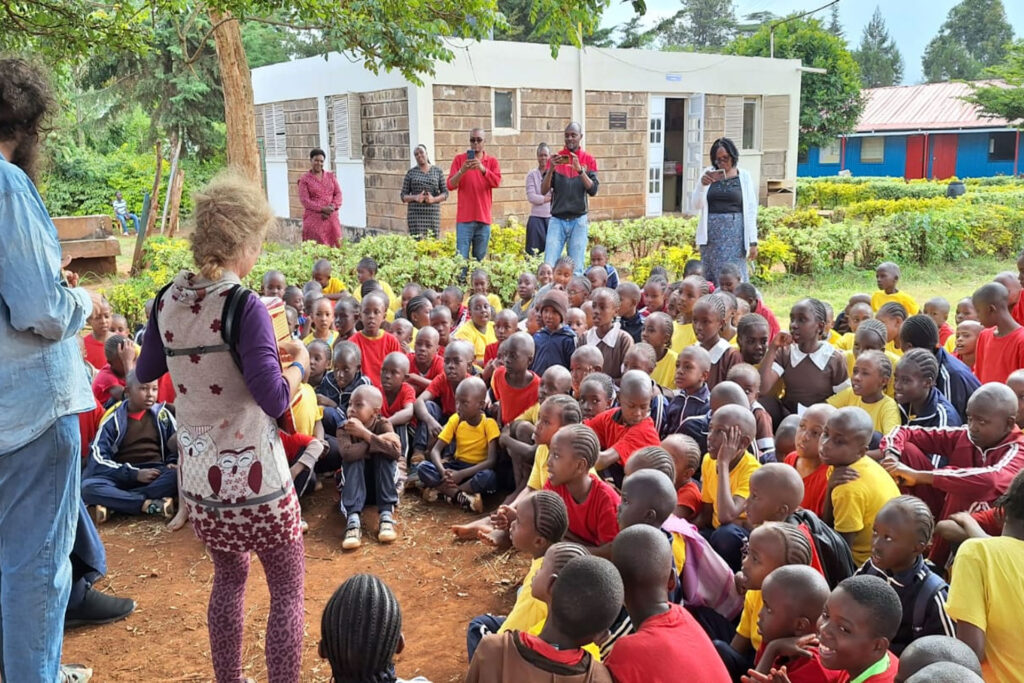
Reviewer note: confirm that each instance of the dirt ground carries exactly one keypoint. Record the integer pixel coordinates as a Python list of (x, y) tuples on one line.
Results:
[(441, 584)]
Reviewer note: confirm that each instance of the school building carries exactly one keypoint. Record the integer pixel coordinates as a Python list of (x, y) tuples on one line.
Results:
[(648, 117), (920, 131)]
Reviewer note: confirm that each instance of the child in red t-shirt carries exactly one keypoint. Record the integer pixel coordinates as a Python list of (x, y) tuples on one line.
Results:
[(506, 323), (99, 320), (806, 460), (686, 454), (399, 398), (1000, 348), (374, 342), (592, 504), (436, 403), (514, 386), (109, 383), (623, 430), (425, 362)]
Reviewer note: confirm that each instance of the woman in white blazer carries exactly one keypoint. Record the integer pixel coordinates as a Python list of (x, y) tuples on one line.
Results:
[(727, 201)]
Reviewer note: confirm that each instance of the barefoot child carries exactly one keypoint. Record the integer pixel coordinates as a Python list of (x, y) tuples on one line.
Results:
[(684, 651), (806, 457), (590, 501), (725, 478), (369, 451), (686, 455), (469, 472), (902, 532), (538, 522)]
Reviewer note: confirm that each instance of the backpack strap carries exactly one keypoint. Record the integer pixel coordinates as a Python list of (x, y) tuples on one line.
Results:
[(930, 587), (231, 320)]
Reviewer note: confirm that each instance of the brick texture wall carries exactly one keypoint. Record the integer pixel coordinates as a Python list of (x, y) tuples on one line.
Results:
[(543, 117), (385, 131), (301, 134), (714, 123), (621, 154)]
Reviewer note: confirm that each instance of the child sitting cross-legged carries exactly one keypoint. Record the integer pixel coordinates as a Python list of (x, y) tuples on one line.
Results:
[(669, 644), (858, 487), (132, 465), (361, 632), (902, 532), (436, 403), (369, 451), (336, 388), (590, 501), (725, 478), (534, 525), (372, 340), (399, 398), (771, 545), (792, 597), (469, 472), (585, 600)]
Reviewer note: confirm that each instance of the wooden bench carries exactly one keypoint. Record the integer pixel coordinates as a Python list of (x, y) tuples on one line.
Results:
[(87, 240)]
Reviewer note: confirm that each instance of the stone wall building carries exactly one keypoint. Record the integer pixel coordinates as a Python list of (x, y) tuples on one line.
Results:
[(648, 117)]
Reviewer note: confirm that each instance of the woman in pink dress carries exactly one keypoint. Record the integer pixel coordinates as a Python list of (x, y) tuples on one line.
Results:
[(320, 195)]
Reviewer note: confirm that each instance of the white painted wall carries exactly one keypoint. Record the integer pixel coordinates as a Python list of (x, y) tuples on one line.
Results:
[(277, 187), (351, 177)]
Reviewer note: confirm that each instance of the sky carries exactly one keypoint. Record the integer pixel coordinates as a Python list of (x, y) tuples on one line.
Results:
[(912, 23)]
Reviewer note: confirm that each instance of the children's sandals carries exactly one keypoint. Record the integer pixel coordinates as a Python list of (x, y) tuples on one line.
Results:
[(386, 532), (353, 538)]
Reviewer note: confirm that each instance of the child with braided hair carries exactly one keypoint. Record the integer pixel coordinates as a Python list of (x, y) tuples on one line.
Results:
[(921, 404), (709, 318), (811, 370), (771, 545), (871, 335), (955, 380), (651, 458), (361, 632), (892, 315), (534, 525), (902, 532), (872, 372)]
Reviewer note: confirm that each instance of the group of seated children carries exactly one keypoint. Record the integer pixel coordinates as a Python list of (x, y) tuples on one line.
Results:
[(749, 502)]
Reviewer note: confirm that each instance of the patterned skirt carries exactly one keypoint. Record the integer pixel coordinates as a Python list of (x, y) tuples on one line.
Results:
[(725, 245)]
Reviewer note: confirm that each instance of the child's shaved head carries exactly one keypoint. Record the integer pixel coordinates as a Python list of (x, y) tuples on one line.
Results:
[(651, 458), (644, 561), (942, 306), (857, 422), (729, 393), (802, 586), (776, 491), (635, 384), (558, 378), (590, 355), (738, 415), (397, 361), (699, 355), (930, 649), (648, 497), (991, 294), (471, 387), (370, 394)]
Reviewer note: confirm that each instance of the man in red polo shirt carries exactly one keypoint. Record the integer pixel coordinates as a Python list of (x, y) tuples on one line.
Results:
[(474, 174), (571, 178)]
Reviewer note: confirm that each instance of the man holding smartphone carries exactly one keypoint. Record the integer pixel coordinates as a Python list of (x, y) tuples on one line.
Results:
[(571, 177), (474, 174)]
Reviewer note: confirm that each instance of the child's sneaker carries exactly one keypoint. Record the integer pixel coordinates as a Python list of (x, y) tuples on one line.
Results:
[(353, 538), (473, 502), (303, 526), (386, 531), (98, 513)]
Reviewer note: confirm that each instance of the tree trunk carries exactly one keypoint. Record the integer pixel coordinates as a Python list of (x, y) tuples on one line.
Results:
[(239, 112), (148, 217), (174, 201)]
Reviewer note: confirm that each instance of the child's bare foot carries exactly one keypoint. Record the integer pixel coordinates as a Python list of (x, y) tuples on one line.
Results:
[(494, 537), (179, 520), (468, 532)]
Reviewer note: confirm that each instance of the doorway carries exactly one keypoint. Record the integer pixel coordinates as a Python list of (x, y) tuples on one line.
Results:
[(944, 156), (674, 154), (915, 166), (675, 149)]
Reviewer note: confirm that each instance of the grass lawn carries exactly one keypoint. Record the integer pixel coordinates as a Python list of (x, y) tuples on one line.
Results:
[(953, 281)]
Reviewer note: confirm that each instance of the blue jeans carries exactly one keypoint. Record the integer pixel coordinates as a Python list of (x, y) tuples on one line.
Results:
[(39, 485), (570, 233), (475, 234), (127, 499), (483, 625), (484, 481), (124, 222)]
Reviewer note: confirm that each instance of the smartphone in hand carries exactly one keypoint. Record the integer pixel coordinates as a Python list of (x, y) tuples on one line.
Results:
[(470, 154)]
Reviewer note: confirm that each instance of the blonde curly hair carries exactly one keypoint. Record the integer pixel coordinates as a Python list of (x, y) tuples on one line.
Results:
[(231, 218)]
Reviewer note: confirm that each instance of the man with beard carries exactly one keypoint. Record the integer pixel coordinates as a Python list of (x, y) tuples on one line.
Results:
[(571, 177), (43, 387)]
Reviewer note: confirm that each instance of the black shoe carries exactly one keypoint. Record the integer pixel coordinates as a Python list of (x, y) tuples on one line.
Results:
[(97, 608)]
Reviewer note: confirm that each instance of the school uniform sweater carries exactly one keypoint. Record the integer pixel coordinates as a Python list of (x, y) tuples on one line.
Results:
[(614, 346), (683, 406), (552, 348), (515, 656), (633, 324), (122, 443), (723, 356), (935, 412)]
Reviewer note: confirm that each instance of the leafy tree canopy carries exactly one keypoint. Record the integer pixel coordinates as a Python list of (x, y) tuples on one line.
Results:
[(830, 103), (1004, 100), (974, 36)]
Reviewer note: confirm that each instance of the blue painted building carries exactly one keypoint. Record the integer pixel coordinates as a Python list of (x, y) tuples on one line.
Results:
[(920, 131)]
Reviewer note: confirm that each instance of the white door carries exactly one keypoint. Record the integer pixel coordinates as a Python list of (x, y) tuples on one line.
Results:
[(693, 160), (352, 178), (655, 154)]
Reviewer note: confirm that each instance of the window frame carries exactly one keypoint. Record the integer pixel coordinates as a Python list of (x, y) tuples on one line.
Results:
[(755, 125), (514, 129), (880, 159), (1011, 137), (835, 144)]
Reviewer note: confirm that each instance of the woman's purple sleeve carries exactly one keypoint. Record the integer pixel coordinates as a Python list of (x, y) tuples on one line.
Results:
[(151, 363), (261, 363)]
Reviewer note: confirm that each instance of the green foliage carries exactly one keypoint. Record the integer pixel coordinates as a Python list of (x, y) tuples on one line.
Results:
[(880, 61), (830, 103), (974, 36), (70, 29), (1006, 101), (673, 259), (699, 25), (639, 237)]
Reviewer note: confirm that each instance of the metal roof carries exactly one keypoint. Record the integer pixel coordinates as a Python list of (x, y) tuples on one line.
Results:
[(932, 106)]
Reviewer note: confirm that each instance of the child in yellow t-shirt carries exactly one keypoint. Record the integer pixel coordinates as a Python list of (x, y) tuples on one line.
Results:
[(366, 270), (887, 275), (537, 524), (332, 286), (856, 313), (469, 473), (725, 478), (658, 331), (478, 330), (872, 371), (693, 288), (858, 486), (480, 283)]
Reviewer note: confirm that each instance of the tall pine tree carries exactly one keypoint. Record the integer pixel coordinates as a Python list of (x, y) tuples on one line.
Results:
[(880, 61), (834, 27), (700, 25), (973, 37)]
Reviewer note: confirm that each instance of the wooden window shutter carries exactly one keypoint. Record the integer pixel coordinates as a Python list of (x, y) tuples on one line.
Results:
[(734, 119)]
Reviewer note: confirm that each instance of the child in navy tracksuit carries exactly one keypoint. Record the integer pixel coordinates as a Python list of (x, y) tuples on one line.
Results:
[(132, 465), (336, 387), (555, 342)]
